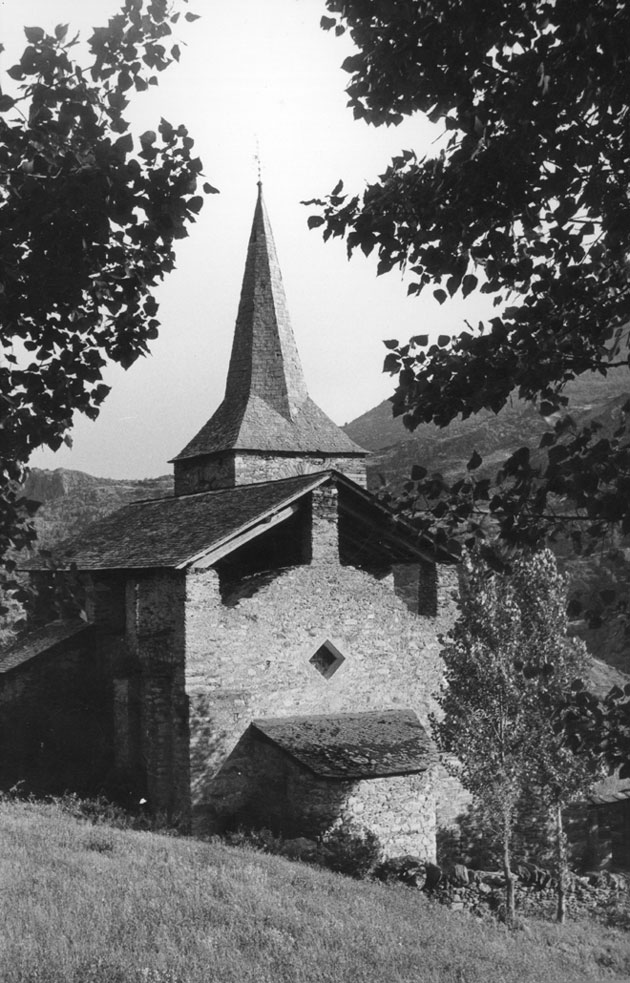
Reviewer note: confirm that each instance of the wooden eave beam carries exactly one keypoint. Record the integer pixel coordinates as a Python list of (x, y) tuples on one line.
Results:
[(207, 558), (387, 535)]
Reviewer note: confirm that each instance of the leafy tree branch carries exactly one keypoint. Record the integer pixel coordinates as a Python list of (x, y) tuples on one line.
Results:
[(89, 219), (525, 201)]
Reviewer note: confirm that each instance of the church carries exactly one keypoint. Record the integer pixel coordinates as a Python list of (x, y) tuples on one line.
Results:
[(258, 649)]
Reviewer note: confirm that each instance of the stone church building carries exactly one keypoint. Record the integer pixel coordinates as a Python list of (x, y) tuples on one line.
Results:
[(259, 648)]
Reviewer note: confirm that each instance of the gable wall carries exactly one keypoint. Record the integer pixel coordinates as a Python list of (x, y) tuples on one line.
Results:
[(249, 657)]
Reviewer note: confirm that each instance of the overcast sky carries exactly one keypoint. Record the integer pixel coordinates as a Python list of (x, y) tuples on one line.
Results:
[(250, 71)]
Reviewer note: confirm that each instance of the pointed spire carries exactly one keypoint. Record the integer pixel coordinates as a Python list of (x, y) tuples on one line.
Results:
[(265, 360), (267, 426)]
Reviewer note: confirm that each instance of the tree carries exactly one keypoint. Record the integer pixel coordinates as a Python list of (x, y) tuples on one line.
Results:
[(550, 663), (508, 666), (88, 223), (527, 202)]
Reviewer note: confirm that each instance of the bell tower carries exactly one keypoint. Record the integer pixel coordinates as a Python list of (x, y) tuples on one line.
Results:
[(267, 426)]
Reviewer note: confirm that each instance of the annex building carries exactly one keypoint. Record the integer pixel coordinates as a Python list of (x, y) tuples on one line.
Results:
[(259, 648)]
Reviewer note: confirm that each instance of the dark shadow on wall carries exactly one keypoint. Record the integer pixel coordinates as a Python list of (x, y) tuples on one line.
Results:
[(259, 562), (56, 729), (258, 786)]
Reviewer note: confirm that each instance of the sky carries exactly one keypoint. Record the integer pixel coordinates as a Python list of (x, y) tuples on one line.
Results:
[(252, 75)]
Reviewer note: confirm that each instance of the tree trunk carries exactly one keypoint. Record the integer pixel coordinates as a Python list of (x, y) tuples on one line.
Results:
[(507, 870), (561, 858)]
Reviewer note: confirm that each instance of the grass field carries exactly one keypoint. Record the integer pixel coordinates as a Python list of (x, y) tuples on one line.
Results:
[(92, 904)]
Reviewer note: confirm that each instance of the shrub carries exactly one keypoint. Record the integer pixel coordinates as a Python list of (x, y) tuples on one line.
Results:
[(350, 850)]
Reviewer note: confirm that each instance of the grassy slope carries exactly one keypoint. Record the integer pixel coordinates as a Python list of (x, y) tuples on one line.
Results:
[(85, 904)]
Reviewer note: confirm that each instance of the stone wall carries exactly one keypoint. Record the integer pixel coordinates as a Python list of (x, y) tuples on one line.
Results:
[(248, 653), (155, 636), (251, 468), (240, 468), (260, 786), (603, 896), (55, 721), (105, 600), (607, 829)]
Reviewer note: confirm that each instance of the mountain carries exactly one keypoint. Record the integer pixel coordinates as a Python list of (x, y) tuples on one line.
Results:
[(70, 500), (448, 449)]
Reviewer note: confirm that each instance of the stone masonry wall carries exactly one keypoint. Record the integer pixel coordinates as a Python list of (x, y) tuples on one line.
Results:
[(237, 468), (105, 600), (251, 468), (155, 635), (55, 721), (199, 474), (249, 657), (399, 810), (260, 786)]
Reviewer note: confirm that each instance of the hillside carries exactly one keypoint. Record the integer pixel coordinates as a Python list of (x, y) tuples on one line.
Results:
[(91, 904), (395, 449), (71, 499)]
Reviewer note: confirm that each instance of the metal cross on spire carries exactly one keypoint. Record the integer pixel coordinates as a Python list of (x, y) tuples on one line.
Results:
[(258, 161)]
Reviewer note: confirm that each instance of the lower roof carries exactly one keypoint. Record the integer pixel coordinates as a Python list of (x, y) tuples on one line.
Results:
[(39, 642), (373, 744), (169, 532)]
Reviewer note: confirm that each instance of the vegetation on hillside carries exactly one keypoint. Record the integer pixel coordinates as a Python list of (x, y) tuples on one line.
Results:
[(71, 500), (90, 904)]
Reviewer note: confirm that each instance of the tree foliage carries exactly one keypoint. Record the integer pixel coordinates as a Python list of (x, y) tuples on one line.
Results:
[(89, 218), (526, 201), (508, 668)]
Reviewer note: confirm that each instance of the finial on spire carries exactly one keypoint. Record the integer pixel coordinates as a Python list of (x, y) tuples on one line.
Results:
[(258, 163)]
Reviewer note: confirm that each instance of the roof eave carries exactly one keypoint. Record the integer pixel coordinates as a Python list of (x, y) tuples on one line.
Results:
[(261, 520)]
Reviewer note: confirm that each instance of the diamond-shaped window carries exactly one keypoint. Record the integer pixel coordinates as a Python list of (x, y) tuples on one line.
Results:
[(326, 659)]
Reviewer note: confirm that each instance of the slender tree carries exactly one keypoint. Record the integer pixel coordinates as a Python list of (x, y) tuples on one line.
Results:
[(551, 663), (508, 665)]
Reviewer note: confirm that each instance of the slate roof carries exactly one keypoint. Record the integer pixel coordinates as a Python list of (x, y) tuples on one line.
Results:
[(254, 425), (172, 532), (169, 532), (39, 642), (266, 405), (372, 744)]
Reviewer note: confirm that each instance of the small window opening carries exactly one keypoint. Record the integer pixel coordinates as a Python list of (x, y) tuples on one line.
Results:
[(326, 660)]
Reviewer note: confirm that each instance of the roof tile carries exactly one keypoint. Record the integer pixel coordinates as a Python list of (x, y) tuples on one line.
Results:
[(373, 744), (167, 532), (38, 642)]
